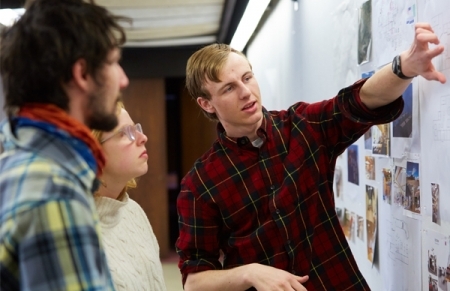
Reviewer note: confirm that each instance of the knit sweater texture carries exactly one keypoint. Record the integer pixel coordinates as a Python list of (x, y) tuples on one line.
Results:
[(131, 247)]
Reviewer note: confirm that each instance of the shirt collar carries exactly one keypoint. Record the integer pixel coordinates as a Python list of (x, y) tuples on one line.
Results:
[(244, 142)]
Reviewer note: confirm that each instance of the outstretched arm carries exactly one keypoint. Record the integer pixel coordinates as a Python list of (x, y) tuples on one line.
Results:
[(384, 86), (262, 277)]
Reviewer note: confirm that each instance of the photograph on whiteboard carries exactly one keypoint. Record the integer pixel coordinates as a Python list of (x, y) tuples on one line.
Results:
[(447, 270), (367, 74), (436, 265), (371, 221), (436, 215), (381, 139), (432, 284), (352, 164), (370, 167), (402, 126), (399, 185), (353, 226), (348, 224), (412, 193), (360, 227), (338, 182), (365, 32), (387, 185), (432, 262)]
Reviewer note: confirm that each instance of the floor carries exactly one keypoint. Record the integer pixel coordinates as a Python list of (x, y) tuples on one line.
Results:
[(172, 273)]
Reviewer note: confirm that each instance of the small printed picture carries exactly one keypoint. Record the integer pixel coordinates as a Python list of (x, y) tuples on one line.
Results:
[(370, 168), (436, 216), (412, 190), (381, 140), (402, 126), (348, 224), (352, 164), (360, 228), (432, 284), (435, 266), (432, 262), (371, 221), (338, 182), (399, 185), (387, 185)]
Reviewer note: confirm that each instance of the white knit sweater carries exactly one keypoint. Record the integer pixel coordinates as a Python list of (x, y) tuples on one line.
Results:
[(130, 245)]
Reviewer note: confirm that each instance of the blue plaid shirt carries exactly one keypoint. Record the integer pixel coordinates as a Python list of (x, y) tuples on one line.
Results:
[(49, 229)]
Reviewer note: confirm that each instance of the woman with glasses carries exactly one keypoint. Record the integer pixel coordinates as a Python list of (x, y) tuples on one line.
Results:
[(130, 244)]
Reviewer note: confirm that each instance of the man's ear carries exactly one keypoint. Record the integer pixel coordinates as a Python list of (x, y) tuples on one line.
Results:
[(205, 104), (80, 75)]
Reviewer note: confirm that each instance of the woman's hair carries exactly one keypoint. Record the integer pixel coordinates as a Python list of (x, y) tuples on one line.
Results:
[(99, 135), (38, 52), (206, 64)]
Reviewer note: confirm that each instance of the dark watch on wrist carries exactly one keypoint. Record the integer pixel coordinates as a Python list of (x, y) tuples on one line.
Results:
[(397, 68)]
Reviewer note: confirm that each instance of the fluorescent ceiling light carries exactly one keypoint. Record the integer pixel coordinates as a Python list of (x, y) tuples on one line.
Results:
[(249, 21), (9, 16), (172, 42)]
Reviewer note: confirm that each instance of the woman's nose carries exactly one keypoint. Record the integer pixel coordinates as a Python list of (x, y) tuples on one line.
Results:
[(141, 138)]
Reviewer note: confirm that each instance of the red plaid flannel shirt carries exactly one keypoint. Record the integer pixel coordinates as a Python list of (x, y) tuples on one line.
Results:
[(274, 205)]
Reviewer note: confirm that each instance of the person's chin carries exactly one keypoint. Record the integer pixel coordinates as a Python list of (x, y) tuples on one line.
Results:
[(257, 117), (143, 170)]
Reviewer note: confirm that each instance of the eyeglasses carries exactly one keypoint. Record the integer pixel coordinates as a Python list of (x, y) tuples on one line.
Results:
[(129, 130)]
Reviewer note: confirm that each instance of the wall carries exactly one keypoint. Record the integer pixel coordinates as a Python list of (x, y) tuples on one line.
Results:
[(197, 132), (308, 55), (145, 102)]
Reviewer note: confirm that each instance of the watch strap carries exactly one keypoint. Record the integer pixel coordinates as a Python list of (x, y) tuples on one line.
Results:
[(397, 68)]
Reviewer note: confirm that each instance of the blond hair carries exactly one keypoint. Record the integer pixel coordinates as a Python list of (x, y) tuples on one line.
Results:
[(206, 64)]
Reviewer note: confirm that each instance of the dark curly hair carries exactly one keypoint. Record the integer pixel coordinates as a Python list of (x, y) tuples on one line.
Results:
[(38, 52)]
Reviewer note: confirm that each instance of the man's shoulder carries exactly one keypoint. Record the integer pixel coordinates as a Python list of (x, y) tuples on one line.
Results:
[(39, 156), (19, 164), (30, 179), (213, 156)]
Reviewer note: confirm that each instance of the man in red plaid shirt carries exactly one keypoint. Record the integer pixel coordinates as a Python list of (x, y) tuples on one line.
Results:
[(263, 194)]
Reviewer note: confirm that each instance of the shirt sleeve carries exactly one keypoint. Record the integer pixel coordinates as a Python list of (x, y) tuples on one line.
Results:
[(349, 102), (340, 121), (59, 248), (197, 244)]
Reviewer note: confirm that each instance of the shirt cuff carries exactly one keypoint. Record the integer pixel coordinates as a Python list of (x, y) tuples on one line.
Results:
[(352, 107)]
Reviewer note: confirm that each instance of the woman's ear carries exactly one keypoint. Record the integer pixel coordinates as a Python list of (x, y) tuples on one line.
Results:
[(205, 104)]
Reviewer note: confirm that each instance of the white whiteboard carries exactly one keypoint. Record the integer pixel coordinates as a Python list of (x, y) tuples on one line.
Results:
[(308, 55)]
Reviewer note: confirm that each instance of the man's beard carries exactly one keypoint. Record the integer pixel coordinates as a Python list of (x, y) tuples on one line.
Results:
[(99, 118)]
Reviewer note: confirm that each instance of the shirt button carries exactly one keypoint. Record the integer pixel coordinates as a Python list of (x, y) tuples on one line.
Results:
[(288, 242), (272, 187), (278, 211), (243, 141)]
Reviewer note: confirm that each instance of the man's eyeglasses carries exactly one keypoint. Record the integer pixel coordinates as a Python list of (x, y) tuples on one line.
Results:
[(129, 130)]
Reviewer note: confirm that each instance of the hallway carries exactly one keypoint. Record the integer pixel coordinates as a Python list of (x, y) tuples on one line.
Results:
[(172, 274)]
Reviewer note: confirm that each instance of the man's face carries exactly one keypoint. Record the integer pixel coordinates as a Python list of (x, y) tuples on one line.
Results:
[(236, 98), (101, 111)]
